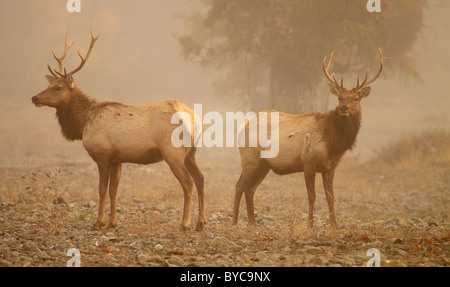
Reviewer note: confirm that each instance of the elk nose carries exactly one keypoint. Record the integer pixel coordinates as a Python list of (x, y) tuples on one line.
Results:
[(34, 99), (343, 109)]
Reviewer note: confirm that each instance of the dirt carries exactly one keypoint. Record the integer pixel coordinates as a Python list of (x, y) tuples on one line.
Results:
[(47, 209)]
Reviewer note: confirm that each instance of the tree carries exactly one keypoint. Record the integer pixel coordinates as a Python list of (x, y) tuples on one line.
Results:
[(273, 49)]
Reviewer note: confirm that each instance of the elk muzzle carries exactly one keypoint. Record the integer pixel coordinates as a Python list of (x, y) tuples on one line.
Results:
[(35, 100), (344, 110)]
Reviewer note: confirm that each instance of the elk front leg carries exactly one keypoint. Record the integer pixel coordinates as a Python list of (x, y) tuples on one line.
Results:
[(327, 178), (114, 178), (310, 178), (103, 170)]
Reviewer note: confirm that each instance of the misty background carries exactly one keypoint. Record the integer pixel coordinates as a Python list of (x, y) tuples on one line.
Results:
[(137, 60)]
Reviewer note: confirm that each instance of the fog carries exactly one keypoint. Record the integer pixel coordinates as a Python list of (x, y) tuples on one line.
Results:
[(137, 60)]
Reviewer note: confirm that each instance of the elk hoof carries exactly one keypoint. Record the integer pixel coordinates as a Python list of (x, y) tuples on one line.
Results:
[(334, 226), (98, 225), (112, 226), (184, 228), (200, 226)]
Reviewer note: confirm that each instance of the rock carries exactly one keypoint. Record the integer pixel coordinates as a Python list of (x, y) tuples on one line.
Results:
[(432, 223), (396, 241), (175, 260), (156, 258), (260, 256), (443, 261), (343, 260), (164, 263), (310, 250), (158, 247), (4, 263), (222, 241), (91, 204), (236, 248), (397, 251), (143, 259), (59, 200)]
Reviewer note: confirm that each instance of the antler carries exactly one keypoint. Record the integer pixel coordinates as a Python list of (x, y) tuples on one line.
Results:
[(332, 79), (84, 59), (365, 82), (60, 60)]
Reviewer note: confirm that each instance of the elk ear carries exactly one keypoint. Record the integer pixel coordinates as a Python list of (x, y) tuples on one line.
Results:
[(334, 90), (69, 80), (50, 79), (364, 92)]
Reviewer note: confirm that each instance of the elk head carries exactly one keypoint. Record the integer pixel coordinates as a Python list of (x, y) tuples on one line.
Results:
[(349, 100), (62, 84)]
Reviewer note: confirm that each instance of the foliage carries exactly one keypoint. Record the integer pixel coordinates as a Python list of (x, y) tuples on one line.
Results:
[(273, 49)]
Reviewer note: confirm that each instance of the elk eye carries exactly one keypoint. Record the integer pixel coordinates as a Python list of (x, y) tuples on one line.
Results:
[(356, 99), (58, 88)]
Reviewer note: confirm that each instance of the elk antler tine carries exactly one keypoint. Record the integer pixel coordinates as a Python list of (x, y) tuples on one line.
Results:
[(332, 79), (59, 74), (357, 83), (51, 72), (382, 59), (61, 59), (342, 82), (85, 58)]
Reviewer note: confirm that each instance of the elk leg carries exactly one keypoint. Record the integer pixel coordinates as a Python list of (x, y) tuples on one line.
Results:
[(237, 200), (248, 182), (182, 174), (199, 184), (103, 170), (310, 178), (114, 178), (327, 178)]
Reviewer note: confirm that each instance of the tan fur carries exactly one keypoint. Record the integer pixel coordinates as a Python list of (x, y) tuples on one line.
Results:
[(114, 133), (312, 143)]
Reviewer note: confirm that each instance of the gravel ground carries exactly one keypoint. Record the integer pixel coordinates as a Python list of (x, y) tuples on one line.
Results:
[(47, 210)]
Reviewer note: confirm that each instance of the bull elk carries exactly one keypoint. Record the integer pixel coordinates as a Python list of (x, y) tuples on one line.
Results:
[(113, 133), (311, 143)]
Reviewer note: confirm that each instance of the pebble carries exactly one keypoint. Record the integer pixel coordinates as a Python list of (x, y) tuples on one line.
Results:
[(158, 247), (260, 256), (396, 241), (175, 260)]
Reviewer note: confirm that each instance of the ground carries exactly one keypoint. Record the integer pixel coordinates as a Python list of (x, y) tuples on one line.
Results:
[(397, 203)]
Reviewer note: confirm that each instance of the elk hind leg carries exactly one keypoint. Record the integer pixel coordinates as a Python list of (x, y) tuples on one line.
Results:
[(183, 176), (114, 178), (197, 175), (103, 170), (247, 183)]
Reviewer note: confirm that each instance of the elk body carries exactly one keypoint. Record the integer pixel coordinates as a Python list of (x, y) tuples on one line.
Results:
[(311, 143), (114, 133)]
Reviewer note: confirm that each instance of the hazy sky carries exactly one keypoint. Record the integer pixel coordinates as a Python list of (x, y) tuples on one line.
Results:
[(136, 61)]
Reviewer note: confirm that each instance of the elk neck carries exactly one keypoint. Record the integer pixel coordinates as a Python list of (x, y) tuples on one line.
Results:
[(341, 131), (73, 116)]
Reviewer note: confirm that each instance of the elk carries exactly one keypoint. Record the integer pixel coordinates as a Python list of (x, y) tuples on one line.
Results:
[(311, 143), (113, 133)]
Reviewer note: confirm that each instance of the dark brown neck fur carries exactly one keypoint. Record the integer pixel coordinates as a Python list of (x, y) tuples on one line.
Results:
[(73, 116), (341, 131)]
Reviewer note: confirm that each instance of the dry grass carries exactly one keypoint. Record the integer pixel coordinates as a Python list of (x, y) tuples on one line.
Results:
[(428, 148)]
